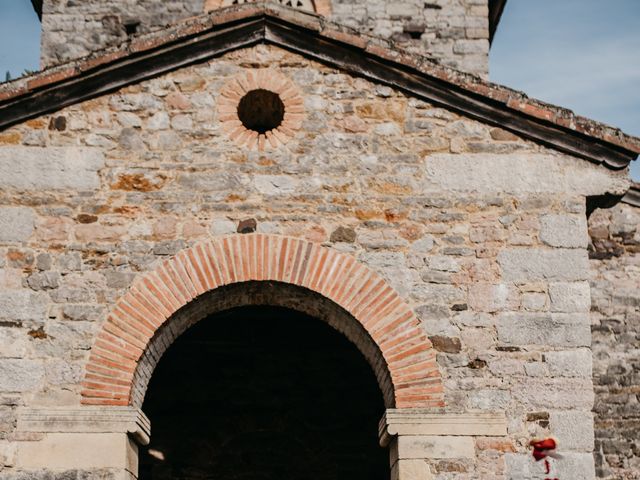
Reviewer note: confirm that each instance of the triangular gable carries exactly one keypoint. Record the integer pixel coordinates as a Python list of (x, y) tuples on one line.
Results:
[(234, 28)]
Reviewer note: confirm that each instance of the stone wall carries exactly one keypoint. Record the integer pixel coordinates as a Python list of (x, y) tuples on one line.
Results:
[(454, 31), (615, 317), (482, 233), (74, 29)]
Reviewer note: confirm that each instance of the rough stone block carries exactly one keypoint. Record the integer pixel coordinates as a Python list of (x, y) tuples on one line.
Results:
[(16, 223), (569, 363), (78, 450), (570, 297), (564, 231), (522, 265), (23, 305), (432, 446), (17, 375), (43, 280), (488, 399), (519, 174), (520, 466), (534, 301), (574, 466), (484, 297), (536, 393), (573, 430), (13, 342), (526, 328), (411, 470), (275, 184), (478, 339), (7, 454), (209, 182), (10, 278), (72, 168)]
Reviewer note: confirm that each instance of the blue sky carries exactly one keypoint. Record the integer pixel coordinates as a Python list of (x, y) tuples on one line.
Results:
[(580, 54)]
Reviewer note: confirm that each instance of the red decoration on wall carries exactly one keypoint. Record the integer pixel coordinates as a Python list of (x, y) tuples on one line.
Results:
[(543, 450)]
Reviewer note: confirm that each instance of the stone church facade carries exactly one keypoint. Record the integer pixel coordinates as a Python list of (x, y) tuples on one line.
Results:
[(180, 163)]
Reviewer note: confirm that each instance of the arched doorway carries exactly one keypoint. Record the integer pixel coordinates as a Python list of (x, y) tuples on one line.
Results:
[(263, 393), (164, 302), (223, 274)]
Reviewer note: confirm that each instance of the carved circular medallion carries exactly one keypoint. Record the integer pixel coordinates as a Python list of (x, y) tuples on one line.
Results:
[(260, 109)]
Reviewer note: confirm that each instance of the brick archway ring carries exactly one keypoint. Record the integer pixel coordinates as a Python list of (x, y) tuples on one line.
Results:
[(156, 296)]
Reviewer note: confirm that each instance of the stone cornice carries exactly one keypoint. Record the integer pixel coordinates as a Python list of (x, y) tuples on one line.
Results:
[(86, 420), (424, 422)]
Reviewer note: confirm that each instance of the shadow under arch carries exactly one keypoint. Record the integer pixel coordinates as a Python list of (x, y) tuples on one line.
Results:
[(114, 366), (263, 392), (259, 294)]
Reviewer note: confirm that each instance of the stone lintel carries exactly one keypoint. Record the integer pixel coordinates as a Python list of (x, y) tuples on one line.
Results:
[(129, 420), (420, 422)]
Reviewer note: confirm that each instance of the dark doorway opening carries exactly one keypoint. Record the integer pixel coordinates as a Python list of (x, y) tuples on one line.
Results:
[(262, 393)]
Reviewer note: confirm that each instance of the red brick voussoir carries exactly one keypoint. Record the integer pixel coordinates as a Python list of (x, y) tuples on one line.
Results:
[(155, 296)]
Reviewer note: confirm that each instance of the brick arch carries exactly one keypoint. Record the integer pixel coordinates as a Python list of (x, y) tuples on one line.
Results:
[(127, 334)]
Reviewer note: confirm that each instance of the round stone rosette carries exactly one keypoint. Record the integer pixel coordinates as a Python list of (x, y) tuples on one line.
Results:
[(260, 109)]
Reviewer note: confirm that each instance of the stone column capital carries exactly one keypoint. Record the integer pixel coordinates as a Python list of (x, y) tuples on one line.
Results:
[(89, 419), (422, 422)]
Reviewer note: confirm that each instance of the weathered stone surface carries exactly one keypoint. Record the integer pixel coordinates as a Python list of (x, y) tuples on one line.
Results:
[(573, 430), (23, 305), (518, 174), (569, 363), (19, 375), (71, 167), (16, 223), (411, 470), (528, 264), (69, 262), (455, 32), (488, 399), (431, 446), (574, 394), (60, 451), (492, 298), (89, 313), (13, 342), (544, 329), (222, 227), (275, 184), (564, 231), (43, 281), (578, 466), (570, 297), (476, 260), (343, 234), (445, 344), (210, 182), (615, 303)]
